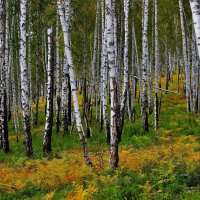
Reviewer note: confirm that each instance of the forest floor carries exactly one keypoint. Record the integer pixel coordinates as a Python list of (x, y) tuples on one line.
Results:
[(162, 164)]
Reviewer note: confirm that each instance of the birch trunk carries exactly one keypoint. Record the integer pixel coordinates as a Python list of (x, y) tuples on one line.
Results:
[(13, 83), (114, 132), (29, 64), (104, 75), (157, 68), (126, 12), (4, 144), (58, 98), (144, 66), (185, 59), (24, 81), (94, 59), (134, 70), (35, 120), (7, 66), (195, 7), (65, 21), (115, 28), (126, 78), (194, 77), (49, 114), (64, 96)]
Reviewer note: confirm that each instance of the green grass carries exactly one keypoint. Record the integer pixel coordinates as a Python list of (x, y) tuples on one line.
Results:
[(173, 180)]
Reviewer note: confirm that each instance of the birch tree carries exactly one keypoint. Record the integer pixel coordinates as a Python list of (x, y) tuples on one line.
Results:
[(126, 28), (185, 59), (157, 71), (29, 62), (64, 95), (3, 96), (49, 113), (195, 7), (65, 22), (145, 61), (104, 74), (24, 80), (114, 131), (13, 83), (94, 59), (194, 77), (58, 98)]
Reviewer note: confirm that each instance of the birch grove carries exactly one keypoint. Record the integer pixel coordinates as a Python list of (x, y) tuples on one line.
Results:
[(107, 66)]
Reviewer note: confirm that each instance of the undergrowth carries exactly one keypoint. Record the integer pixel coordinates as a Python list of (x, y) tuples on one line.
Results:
[(162, 164)]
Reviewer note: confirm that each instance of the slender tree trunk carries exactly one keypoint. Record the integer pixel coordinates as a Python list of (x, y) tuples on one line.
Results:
[(13, 83), (126, 78), (69, 102), (144, 66), (35, 119), (85, 80), (29, 64), (4, 144), (134, 70), (114, 131), (24, 81), (104, 74), (94, 60), (195, 7), (65, 21), (115, 28), (64, 96), (157, 68), (49, 115), (185, 59), (194, 77), (58, 98), (7, 66), (149, 86)]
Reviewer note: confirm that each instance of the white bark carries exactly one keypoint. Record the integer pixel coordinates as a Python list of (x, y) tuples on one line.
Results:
[(29, 64), (57, 75), (194, 77), (49, 113), (144, 65), (157, 68), (4, 144), (195, 7), (135, 62), (7, 66), (24, 80), (126, 27), (94, 58), (65, 21), (185, 59), (104, 74), (13, 83), (115, 28), (64, 95), (114, 140)]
